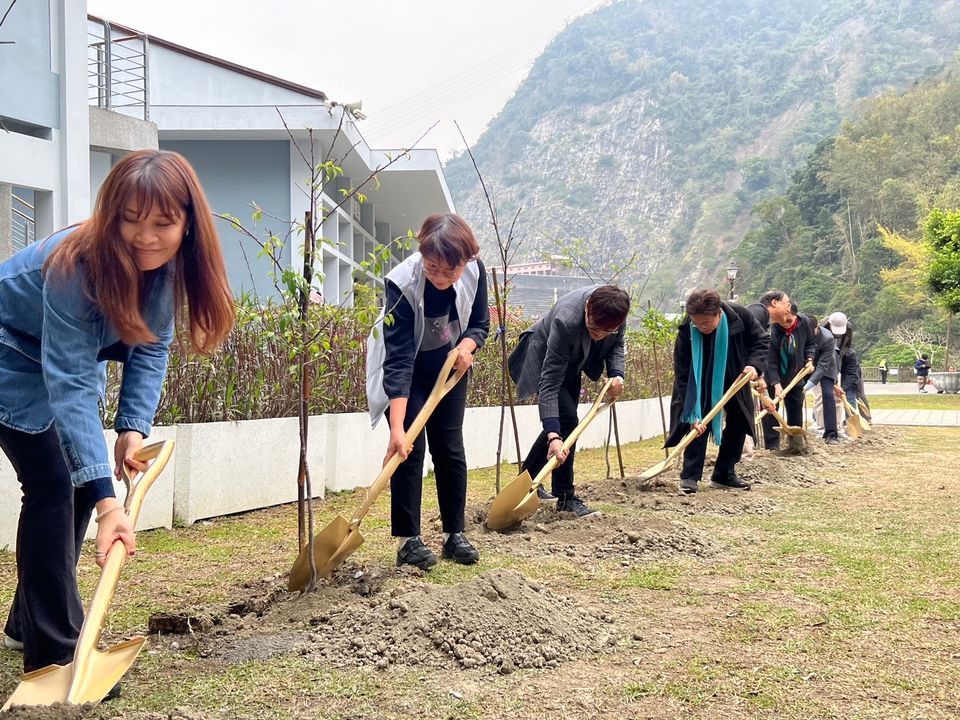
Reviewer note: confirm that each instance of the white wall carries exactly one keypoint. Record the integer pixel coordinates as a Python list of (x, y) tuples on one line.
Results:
[(224, 468)]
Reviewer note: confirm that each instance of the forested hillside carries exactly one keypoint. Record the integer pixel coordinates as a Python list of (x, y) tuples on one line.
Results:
[(847, 233), (660, 124)]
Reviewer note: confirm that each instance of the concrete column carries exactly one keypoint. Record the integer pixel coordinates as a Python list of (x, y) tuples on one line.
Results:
[(73, 203), (6, 221)]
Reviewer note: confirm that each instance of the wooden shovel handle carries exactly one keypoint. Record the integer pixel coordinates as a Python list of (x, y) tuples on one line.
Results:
[(804, 371), (110, 574), (738, 384), (599, 405), (447, 379), (770, 409), (848, 407)]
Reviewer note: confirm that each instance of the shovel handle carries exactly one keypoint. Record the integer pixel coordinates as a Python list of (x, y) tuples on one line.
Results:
[(600, 404), (116, 556), (447, 379), (738, 384), (769, 409)]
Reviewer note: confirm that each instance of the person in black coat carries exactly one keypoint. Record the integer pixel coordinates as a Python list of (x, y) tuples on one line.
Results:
[(582, 334), (771, 307), (792, 347), (710, 329)]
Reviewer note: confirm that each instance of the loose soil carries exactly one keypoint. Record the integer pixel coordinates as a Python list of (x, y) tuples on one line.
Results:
[(660, 607), (500, 621)]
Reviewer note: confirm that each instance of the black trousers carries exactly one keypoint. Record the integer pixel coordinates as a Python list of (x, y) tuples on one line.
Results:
[(731, 447), (771, 438), (46, 614), (444, 433), (793, 406), (829, 408), (561, 478)]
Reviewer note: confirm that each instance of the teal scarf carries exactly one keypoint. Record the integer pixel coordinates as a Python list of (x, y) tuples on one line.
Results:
[(693, 402)]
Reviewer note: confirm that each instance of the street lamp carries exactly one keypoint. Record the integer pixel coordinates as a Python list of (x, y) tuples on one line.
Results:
[(732, 272)]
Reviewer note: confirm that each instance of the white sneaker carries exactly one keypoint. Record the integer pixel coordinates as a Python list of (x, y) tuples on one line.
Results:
[(10, 644)]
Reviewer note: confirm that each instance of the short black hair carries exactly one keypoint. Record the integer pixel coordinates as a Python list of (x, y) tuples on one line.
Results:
[(703, 301), (769, 296), (609, 306)]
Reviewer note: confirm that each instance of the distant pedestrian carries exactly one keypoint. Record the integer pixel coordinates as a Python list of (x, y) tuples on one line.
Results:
[(922, 366), (883, 371)]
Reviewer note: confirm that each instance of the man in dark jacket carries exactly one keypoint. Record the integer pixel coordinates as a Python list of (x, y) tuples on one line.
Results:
[(771, 307), (792, 346), (824, 379), (715, 343), (582, 333)]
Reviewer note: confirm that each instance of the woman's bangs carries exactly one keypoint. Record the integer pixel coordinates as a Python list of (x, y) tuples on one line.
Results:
[(157, 190)]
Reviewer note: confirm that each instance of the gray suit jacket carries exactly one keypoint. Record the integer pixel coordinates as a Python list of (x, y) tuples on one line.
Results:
[(557, 347)]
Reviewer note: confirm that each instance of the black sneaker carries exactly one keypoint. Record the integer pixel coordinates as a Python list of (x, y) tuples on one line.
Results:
[(415, 553), (731, 482), (832, 441), (544, 495), (573, 504), (458, 548), (113, 694), (688, 486)]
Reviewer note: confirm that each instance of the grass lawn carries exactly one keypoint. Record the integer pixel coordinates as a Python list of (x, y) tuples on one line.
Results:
[(916, 401), (840, 600)]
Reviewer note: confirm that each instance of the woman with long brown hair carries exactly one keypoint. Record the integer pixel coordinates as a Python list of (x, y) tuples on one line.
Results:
[(145, 267)]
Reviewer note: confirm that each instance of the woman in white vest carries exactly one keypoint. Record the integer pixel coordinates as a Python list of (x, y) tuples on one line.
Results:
[(438, 301)]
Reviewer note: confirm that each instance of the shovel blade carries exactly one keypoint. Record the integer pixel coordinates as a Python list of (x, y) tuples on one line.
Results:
[(854, 429), (515, 502), (652, 472), (326, 549), (74, 684)]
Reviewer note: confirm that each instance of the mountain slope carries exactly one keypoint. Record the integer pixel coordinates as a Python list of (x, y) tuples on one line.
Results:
[(658, 124)]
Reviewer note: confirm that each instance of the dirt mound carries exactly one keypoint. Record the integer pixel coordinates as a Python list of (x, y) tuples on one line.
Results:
[(499, 621), (586, 540), (662, 495)]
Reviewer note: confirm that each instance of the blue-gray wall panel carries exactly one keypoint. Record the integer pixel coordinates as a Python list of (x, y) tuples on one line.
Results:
[(235, 173), (29, 90)]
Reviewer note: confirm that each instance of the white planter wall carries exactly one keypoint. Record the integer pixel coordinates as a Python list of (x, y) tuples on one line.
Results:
[(230, 467)]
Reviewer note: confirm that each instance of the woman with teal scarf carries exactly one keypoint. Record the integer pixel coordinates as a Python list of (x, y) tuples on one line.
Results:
[(715, 343)]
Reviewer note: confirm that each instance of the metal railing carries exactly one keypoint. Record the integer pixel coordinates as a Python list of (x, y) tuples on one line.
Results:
[(118, 71), (24, 223)]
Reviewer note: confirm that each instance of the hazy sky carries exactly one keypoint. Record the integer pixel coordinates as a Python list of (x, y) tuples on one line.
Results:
[(411, 62)]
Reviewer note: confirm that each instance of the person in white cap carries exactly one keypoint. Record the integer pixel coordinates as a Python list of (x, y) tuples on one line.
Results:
[(849, 383)]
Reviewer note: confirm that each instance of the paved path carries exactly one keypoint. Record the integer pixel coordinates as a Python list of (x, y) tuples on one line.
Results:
[(935, 418), (875, 388), (928, 418)]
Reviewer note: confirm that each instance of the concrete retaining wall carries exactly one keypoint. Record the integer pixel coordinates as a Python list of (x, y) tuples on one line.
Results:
[(230, 467)]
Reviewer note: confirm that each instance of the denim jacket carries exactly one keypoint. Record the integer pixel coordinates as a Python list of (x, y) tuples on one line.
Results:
[(54, 344)]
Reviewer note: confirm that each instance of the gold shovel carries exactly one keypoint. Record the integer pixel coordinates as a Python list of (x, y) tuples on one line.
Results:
[(519, 500), (804, 371), (338, 540), (772, 410), (663, 465), (92, 674), (855, 422)]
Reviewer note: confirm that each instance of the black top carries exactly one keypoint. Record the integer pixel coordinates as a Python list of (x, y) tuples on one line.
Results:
[(441, 332)]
